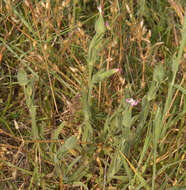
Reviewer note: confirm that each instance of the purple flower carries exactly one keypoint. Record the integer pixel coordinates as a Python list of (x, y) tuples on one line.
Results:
[(132, 102), (107, 24), (118, 70)]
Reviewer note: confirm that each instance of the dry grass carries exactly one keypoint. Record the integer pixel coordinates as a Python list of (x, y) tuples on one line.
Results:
[(65, 122)]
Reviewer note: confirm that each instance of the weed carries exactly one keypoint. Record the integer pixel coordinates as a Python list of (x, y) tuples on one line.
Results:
[(92, 94)]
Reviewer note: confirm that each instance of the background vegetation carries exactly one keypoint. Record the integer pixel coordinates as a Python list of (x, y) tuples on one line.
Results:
[(92, 98)]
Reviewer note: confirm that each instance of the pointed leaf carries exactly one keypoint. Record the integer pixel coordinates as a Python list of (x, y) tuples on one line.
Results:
[(101, 75), (158, 74), (99, 25)]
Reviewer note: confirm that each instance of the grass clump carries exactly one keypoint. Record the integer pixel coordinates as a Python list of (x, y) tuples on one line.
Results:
[(92, 95)]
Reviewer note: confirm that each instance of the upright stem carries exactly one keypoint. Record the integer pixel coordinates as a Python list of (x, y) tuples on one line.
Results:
[(90, 83)]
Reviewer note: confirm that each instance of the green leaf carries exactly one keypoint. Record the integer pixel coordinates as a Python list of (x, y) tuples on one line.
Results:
[(22, 77), (152, 92), (101, 75), (158, 74), (29, 90), (58, 131), (99, 25), (33, 118), (55, 135), (175, 64), (94, 48), (70, 143), (72, 164), (114, 167), (126, 118)]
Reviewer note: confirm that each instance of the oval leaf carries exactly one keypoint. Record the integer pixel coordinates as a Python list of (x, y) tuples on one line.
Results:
[(22, 77)]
